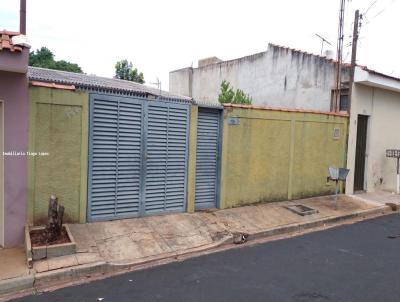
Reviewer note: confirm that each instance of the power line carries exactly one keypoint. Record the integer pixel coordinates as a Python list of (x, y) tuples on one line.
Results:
[(368, 20), (379, 13), (372, 4)]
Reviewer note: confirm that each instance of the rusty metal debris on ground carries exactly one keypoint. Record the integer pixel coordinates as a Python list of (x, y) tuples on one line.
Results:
[(240, 238)]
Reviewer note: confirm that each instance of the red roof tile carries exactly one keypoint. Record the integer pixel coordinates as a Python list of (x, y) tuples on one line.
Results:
[(6, 42)]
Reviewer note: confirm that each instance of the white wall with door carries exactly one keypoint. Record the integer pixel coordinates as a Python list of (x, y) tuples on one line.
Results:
[(378, 97)]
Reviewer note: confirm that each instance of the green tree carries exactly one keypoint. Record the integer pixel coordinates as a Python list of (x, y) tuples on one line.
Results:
[(228, 95), (44, 58), (124, 70), (241, 98), (67, 66)]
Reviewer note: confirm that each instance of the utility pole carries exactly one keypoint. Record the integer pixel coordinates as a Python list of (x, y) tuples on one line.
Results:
[(22, 17), (339, 55), (353, 56)]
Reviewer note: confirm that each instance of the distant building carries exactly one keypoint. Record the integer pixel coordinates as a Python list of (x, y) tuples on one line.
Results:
[(278, 77)]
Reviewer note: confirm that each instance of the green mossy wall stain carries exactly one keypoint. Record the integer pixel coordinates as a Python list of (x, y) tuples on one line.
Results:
[(315, 150), (58, 126), (58, 132), (257, 156)]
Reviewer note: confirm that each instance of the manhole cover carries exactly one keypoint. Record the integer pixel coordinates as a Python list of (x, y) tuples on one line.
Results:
[(301, 209)]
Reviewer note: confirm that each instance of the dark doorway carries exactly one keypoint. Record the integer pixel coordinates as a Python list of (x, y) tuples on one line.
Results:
[(361, 144)]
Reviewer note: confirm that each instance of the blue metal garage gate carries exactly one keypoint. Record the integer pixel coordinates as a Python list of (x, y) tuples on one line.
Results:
[(208, 157), (137, 157)]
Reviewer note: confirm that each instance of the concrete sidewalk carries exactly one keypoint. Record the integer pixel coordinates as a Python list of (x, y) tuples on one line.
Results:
[(383, 197), (14, 272), (111, 246)]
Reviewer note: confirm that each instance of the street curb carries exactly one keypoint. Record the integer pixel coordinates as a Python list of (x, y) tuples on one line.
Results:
[(75, 273), (70, 274), (298, 227), (394, 206), (16, 284), (174, 255)]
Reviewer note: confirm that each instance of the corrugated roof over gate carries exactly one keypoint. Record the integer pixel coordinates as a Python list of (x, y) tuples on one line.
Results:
[(99, 84)]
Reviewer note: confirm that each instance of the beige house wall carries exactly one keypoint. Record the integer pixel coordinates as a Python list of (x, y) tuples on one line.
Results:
[(383, 108)]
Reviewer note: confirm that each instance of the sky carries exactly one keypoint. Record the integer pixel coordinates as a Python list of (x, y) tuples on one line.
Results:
[(159, 36)]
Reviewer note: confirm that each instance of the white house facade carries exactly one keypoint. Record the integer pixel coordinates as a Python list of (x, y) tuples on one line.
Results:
[(374, 127)]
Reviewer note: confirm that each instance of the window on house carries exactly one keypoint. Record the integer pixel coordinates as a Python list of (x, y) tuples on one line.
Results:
[(343, 101)]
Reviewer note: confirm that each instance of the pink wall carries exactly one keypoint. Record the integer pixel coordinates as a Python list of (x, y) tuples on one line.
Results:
[(14, 93), (14, 62)]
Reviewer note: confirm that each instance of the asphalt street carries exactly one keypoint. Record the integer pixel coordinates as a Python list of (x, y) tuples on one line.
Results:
[(348, 263)]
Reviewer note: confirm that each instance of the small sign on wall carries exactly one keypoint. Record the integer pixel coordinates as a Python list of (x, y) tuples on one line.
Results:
[(336, 133), (233, 120)]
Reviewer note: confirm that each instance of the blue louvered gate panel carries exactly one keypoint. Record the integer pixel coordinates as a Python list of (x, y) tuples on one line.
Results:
[(208, 129), (137, 157), (129, 157), (115, 148), (166, 157)]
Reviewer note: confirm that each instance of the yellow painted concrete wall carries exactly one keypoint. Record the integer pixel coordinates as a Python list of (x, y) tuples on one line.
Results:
[(58, 126), (191, 182), (276, 155)]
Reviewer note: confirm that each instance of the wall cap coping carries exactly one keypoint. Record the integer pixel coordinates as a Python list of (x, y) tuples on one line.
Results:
[(260, 107), (52, 85)]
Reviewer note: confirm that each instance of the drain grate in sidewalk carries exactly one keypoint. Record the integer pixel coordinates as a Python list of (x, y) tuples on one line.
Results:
[(301, 209)]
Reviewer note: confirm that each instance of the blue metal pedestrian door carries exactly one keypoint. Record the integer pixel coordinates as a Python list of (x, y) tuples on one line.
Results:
[(207, 158), (137, 157)]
